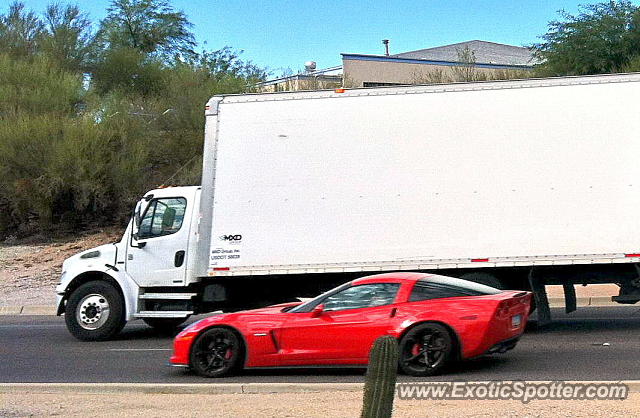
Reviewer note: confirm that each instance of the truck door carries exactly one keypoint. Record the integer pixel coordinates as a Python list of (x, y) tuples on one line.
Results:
[(158, 256)]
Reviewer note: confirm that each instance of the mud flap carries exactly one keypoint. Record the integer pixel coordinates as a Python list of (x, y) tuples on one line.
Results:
[(570, 302), (540, 296)]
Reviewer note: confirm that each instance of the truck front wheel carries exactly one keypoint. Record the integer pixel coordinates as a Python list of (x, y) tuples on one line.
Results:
[(95, 312)]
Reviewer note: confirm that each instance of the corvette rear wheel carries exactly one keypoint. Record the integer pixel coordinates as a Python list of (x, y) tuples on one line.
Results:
[(216, 353), (425, 350)]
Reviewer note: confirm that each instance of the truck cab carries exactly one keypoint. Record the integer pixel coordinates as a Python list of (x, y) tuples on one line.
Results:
[(146, 275)]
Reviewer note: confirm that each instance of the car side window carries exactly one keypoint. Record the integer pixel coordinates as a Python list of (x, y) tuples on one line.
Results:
[(428, 291), (163, 217), (362, 296)]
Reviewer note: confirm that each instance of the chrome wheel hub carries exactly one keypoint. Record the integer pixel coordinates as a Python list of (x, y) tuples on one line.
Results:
[(92, 311)]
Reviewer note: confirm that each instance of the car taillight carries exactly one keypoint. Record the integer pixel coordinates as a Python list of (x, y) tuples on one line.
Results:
[(505, 306)]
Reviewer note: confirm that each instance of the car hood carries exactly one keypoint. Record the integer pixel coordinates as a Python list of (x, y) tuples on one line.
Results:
[(269, 310)]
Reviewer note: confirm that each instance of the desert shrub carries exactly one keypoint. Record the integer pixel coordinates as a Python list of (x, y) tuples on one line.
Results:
[(37, 86)]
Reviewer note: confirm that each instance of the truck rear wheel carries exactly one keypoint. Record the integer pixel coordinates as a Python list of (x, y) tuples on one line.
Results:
[(95, 312)]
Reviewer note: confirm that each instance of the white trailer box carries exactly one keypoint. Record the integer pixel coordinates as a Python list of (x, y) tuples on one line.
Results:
[(497, 173)]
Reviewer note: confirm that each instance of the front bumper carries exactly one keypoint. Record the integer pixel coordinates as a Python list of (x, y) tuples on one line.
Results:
[(59, 303), (181, 348)]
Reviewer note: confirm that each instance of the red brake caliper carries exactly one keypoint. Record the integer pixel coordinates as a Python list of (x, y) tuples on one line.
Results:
[(415, 349)]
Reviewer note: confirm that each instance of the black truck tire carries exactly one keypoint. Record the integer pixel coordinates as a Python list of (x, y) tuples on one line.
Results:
[(95, 311)]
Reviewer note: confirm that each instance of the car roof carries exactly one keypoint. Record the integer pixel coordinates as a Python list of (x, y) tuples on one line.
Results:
[(398, 277)]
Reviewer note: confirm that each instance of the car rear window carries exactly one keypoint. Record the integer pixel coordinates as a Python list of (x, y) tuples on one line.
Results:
[(438, 287)]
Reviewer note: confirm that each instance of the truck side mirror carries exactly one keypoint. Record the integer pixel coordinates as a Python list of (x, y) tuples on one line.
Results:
[(317, 311), (136, 237), (135, 227), (137, 215)]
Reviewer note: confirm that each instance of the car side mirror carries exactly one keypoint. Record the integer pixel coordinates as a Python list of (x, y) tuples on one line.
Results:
[(317, 311)]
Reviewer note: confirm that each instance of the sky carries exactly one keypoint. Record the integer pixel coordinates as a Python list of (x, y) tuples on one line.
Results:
[(283, 34)]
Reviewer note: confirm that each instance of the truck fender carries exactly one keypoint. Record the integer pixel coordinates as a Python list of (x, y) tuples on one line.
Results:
[(127, 289)]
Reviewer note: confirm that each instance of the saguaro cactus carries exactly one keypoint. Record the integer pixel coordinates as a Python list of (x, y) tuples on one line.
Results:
[(380, 384)]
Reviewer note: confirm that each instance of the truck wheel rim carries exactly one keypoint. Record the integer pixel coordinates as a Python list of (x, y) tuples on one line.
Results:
[(92, 311)]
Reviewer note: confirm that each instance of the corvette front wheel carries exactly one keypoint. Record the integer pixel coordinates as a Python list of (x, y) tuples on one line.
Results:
[(425, 350), (217, 352)]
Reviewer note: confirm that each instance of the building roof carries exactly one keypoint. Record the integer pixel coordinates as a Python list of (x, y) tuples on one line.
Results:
[(485, 53)]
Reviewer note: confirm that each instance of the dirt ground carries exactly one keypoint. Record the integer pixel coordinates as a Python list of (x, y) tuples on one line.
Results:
[(556, 291), (29, 272), (282, 405)]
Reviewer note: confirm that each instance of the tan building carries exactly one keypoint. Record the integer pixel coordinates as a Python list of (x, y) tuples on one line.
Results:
[(465, 61)]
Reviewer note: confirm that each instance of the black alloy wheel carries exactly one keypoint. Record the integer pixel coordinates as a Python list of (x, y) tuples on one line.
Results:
[(425, 350), (217, 352)]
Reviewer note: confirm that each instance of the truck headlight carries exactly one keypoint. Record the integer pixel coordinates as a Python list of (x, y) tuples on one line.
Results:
[(91, 254)]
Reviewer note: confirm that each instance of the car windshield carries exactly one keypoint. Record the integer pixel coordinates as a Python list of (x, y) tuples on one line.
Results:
[(309, 305)]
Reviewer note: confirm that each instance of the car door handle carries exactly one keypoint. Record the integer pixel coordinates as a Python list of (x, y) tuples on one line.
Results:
[(179, 258), (393, 313)]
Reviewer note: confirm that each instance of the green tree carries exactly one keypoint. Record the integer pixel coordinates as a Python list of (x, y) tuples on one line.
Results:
[(35, 87), (601, 38), (128, 70), (67, 38), (226, 62), (19, 31), (467, 71), (151, 26), (78, 155)]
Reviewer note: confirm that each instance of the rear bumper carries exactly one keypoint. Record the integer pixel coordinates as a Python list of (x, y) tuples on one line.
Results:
[(504, 346)]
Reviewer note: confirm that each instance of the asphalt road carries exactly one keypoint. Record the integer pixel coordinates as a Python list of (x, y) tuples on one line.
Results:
[(39, 349)]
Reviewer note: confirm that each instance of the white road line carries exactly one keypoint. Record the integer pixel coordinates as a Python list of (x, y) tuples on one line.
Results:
[(32, 326), (139, 349)]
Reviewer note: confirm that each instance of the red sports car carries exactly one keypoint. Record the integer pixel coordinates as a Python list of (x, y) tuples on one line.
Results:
[(436, 319)]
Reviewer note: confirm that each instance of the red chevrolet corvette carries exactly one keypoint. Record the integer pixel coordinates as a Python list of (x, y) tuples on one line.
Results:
[(436, 319)]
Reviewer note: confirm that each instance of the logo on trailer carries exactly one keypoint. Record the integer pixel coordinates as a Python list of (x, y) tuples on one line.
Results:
[(231, 238)]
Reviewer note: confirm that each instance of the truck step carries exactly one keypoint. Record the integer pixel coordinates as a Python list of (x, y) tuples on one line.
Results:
[(166, 296), (163, 314)]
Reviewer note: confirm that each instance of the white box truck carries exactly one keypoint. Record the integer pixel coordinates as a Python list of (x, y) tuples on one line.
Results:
[(516, 184)]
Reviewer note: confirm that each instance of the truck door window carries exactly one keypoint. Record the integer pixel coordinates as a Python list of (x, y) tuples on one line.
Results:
[(163, 217)]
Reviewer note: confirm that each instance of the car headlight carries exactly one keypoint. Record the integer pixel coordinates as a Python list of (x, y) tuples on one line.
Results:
[(186, 329)]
